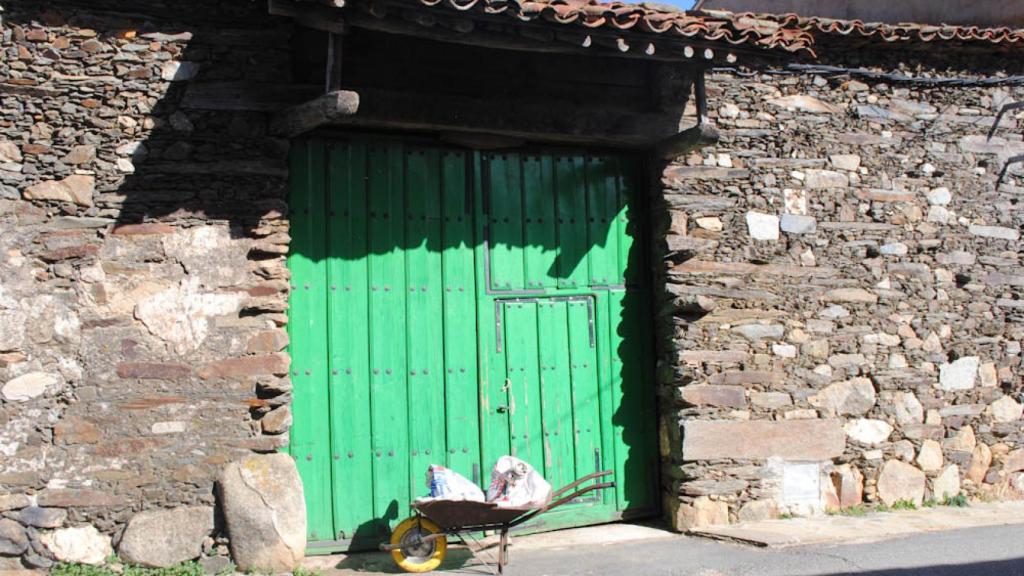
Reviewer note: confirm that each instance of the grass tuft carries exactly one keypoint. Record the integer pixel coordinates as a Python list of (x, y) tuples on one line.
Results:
[(958, 501), (904, 505), (113, 567), (857, 511)]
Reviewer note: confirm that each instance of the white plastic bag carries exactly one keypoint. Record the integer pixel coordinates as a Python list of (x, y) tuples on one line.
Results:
[(447, 484), (516, 483)]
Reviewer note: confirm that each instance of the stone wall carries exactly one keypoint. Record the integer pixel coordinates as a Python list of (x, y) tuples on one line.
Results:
[(142, 278), (842, 306), (843, 297)]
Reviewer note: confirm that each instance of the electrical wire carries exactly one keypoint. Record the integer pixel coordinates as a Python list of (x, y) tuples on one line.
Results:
[(891, 77)]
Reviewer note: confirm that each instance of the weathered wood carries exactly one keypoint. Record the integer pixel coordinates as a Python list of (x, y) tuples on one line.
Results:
[(373, 61), (321, 111), (531, 37), (241, 96), (417, 54), (670, 84), (332, 73), (476, 141), (553, 121), (309, 14), (331, 3), (703, 134), (700, 95)]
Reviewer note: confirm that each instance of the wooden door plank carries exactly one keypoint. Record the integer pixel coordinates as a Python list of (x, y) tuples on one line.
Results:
[(348, 337), (629, 218), (556, 392), (539, 223), (307, 328), (584, 387), (424, 321), (526, 430), (387, 334), (602, 198), (462, 411), (504, 181), (633, 401), (493, 391), (572, 227), (606, 409)]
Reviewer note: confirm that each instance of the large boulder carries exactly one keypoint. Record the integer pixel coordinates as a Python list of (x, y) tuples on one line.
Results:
[(265, 512), (848, 487), (703, 512), (947, 484), (981, 459), (79, 545), (163, 538), (930, 457), (901, 482)]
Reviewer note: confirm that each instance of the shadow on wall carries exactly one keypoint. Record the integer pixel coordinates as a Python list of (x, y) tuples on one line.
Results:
[(195, 152)]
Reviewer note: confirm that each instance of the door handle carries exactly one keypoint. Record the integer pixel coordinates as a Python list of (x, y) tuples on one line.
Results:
[(502, 409)]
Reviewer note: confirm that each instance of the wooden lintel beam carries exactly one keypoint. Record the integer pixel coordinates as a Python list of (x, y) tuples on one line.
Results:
[(549, 121), (320, 111), (309, 15), (531, 37), (330, 3), (699, 136), (453, 34)]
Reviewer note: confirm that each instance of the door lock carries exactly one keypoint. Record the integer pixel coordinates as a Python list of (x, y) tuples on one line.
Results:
[(502, 409)]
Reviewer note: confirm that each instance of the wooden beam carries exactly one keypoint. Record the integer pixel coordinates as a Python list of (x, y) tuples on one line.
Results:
[(331, 3), (326, 109), (481, 141), (332, 73), (392, 24), (686, 141), (534, 37), (515, 118), (309, 15)]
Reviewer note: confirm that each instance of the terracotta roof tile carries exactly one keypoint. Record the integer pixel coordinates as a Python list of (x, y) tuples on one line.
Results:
[(787, 32)]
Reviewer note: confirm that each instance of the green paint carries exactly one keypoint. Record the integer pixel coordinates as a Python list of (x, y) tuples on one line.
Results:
[(308, 334), (351, 444), (572, 221), (556, 392), (450, 307)]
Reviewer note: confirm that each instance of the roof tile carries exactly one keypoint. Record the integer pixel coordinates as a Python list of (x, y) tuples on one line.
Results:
[(787, 32)]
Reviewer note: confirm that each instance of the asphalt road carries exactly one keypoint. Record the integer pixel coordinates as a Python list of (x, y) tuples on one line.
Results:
[(992, 551)]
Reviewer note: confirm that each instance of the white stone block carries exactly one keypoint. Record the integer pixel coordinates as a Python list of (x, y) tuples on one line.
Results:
[(763, 226)]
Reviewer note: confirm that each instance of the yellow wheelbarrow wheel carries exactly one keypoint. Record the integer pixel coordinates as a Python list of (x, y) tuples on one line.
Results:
[(412, 553)]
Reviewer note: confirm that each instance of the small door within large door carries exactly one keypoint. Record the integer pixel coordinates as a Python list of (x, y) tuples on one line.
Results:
[(552, 386), (449, 307)]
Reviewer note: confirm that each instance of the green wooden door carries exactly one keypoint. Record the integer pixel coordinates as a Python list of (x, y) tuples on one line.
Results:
[(450, 307)]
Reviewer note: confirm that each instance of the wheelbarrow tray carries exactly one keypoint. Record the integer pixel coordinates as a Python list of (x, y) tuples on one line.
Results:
[(459, 515)]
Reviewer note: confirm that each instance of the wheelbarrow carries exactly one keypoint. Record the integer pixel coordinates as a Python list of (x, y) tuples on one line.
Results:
[(420, 542)]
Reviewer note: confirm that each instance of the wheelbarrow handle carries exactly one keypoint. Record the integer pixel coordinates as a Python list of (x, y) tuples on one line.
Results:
[(586, 478), (569, 498)]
